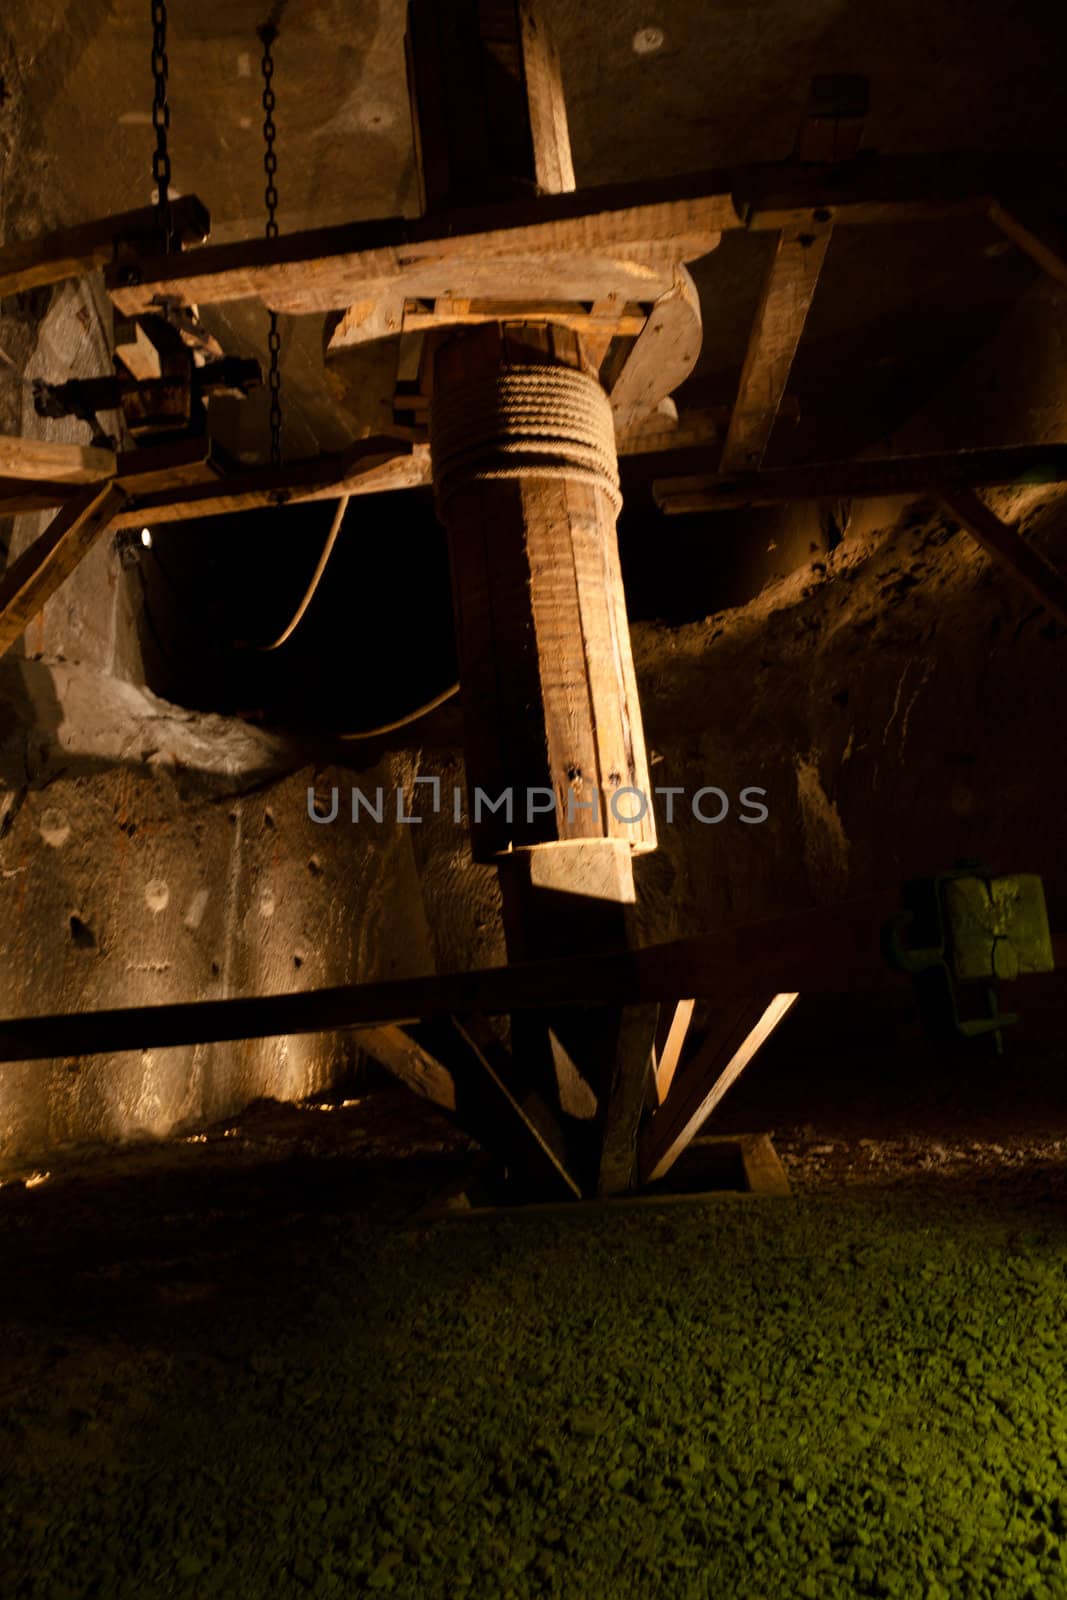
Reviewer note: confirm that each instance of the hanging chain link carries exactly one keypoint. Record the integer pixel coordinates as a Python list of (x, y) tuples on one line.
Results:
[(161, 120), (267, 35)]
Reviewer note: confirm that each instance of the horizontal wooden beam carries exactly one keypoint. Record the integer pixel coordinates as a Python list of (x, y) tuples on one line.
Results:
[(830, 950), (42, 461), (582, 245), (35, 576), (1010, 550), (862, 479), (182, 482), (75, 252)]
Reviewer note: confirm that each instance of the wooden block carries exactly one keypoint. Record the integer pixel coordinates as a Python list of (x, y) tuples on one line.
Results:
[(763, 1169), (663, 355)]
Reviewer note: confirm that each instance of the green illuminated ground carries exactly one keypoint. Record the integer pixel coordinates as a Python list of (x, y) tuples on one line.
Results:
[(813, 1397)]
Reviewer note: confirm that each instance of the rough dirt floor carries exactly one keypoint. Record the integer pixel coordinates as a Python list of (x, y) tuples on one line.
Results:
[(230, 1368)]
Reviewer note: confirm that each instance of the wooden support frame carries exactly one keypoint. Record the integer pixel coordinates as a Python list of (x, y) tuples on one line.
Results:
[(671, 1035), (736, 1037), (35, 576)]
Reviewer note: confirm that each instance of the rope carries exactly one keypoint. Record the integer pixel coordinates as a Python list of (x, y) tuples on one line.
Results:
[(316, 579), (402, 722), (524, 422)]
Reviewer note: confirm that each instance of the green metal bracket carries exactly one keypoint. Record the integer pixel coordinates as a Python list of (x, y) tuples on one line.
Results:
[(966, 927)]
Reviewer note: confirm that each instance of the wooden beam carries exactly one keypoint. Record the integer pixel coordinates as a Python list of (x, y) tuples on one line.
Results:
[(623, 1097), (75, 252), (619, 239), (1018, 465), (829, 950), (413, 1065), (762, 1165), (1035, 231), (43, 461), (670, 1040), (788, 291), (743, 1028), (1010, 550), (487, 1107), (642, 226), (31, 580)]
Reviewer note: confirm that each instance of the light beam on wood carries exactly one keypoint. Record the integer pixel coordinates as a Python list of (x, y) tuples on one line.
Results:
[(705, 1079), (35, 576), (1010, 550)]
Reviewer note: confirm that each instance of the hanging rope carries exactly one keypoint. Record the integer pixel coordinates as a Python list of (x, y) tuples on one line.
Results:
[(405, 721), (267, 35), (524, 422), (316, 578)]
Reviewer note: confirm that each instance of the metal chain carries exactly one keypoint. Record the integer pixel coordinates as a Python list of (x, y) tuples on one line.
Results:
[(267, 34), (161, 120)]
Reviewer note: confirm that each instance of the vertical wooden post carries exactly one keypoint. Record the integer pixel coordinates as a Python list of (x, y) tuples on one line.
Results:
[(551, 712)]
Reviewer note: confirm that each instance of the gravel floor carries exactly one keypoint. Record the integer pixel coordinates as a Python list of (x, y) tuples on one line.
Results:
[(227, 1371)]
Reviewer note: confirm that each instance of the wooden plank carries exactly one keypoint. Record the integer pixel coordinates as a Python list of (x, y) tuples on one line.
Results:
[(830, 950), (387, 466), (861, 479), (414, 1066), (663, 355), (670, 1040), (743, 1029), (75, 252), (1010, 550), (31, 580), (788, 291), (1032, 228), (623, 1098), (620, 239), (44, 461)]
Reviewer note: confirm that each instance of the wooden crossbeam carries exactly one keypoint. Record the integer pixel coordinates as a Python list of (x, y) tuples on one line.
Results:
[(828, 950), (785, 300), (42, 461), (39, 572), (532, 246), (411, 1064), (861, 479), (75, 252), (739, 1032), (184, 481), (1010, 550)]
